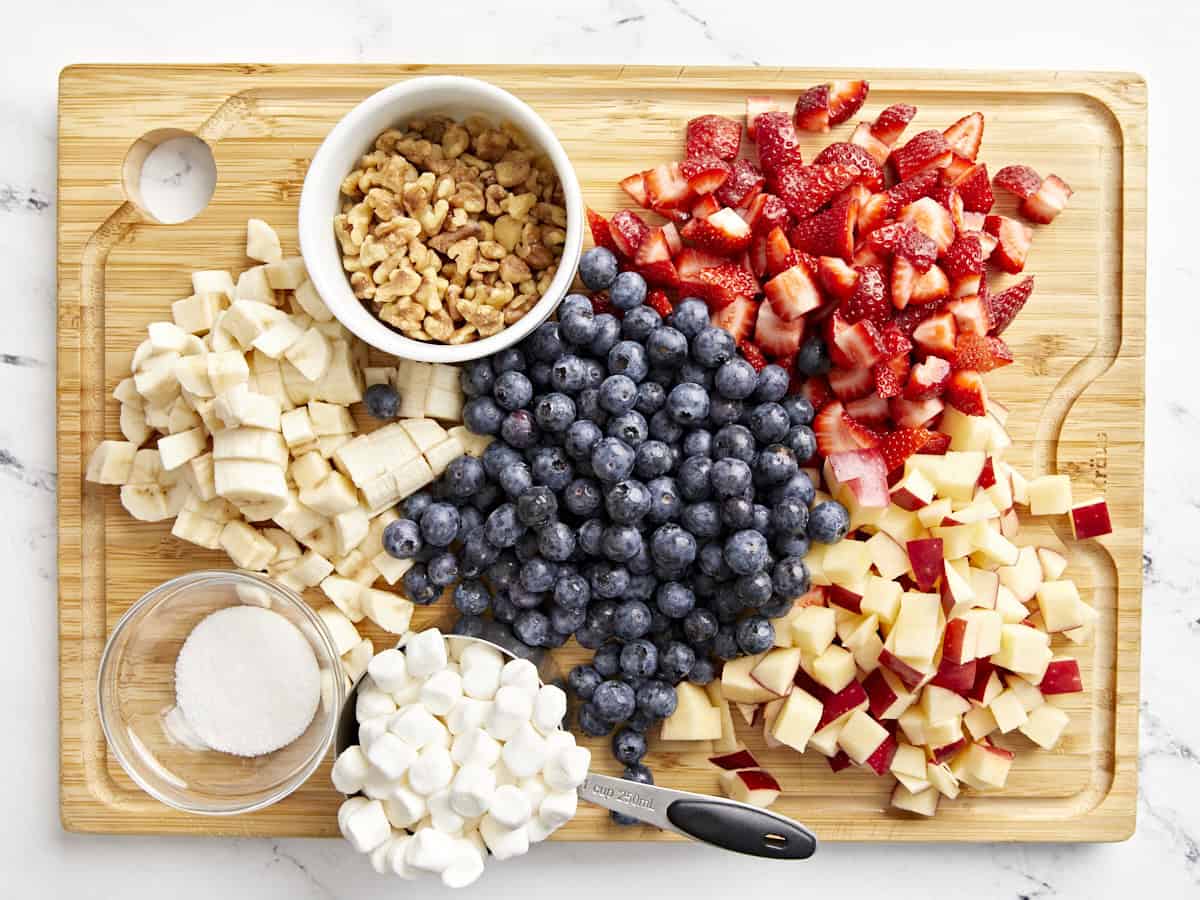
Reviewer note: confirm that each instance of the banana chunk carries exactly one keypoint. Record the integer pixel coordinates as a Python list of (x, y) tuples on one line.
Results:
[(253, 285), (197, 314), (262, 243), (310, 301), (111, 462), (250, 443), (243, 481), (240, 406), (311, 354), (176, 449), (213, 282), (287, 274), (246, 547)]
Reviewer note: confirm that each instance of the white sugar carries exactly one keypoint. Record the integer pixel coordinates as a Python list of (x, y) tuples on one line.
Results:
[(247, 681)]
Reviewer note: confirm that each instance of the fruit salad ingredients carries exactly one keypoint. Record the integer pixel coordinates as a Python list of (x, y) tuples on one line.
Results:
[(247, 681), (450, 231)]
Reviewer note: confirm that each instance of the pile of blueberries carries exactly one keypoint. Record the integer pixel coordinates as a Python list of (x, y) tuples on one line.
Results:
[(643, 494)]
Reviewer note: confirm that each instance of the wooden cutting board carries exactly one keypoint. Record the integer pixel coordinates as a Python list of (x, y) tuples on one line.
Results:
[(1076, 390)]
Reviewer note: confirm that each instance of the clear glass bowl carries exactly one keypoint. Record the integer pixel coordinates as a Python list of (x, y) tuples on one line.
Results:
[(137, 699)]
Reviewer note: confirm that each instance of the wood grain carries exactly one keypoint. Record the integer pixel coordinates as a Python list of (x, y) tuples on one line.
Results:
[(1076, 391)]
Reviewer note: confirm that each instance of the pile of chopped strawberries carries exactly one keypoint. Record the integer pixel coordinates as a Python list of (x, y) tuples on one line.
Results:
[(880, 245)]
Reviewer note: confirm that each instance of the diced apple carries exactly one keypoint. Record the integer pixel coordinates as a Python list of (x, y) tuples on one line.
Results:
[(728, 741), (1053, 563), (824, 741), (847, 562), (940, 752), (910, 675), (909, 767), (879, 761), (958, 541), (694, 719), (988, 684), (913, 723), (747, 711), (899, 524), (881, 597), (1050, 495), (935, 513), (731, 762), (979, 722), (957, 677), (861, 736), (980, 509), (1010, 609), (863, 472), (783, 625), (1023, 650), (1084, 632), (840, 705), (756, 787), (816, 564), (864, 642), (839, 762), (958, 595), (986, 624), (738, 686), (940, 704), (797, 720), (1045, 726), (1008, 711), (813, 630), (845, 598), (925, 558), (954, 474), (1062, 676), (776, 670), (1020, 487), (987, 765), (940, 776), (889, 558), (1060, 605), (966, 432), (959, 641), (834, 669), (770, 712), (916, 631), (1024, 577), (923, 803), (1029, 695), (889, 697), (913, 491), (984, 584), (993, 546)]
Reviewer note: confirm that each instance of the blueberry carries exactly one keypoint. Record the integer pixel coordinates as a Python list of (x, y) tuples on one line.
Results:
[(607, 659), (772, 386), (609, 581), (628, 746), (589, 639), (790, 577), (614, 701), (556, 541), (664, 428), (651, 396), (497, 457), (580, 438), (690, 316), (631, 427), (725, 645), (469, 626), (537, 506), (688, 404), (612, 459), (693, 478), (627, 502), (477, 377), (590, 534), (702, 519), (737, 513), (762, 519), (538, 575), (665, 503), (753, 590), (552, 468), (694, 373), (628, 358), (632, 620), (736, 379), (700, 625), (511, 359), (799, 488), (545, 343), (666, 347), (697, 442), (722, 411), (382, 401), (639, 323), (477, 553), (789, 517), (802, 442), (402, 539), (755, 634), (813, 357), (591, 722), (503, 528), (791, 545), (443, 569), (676, 661), (439, 524), (568, 374), (674, 600), (639, 773), (532, 628), (523, 598), (516, 480), (503, 572), (799, 410), (519, 429), (652, 459), (577, 326), (503, 609), (672, 546), (416, 504), (418, 588), (582, 497), (746, 551), (618, 393), (554, 412), (713, 346), (779, 605), (828, 522), (664, 378), (623, 820), (711, 560), (730, 477), (608, 332), (774, 465), (627, 291), (734, 442), (481, 415), (583, 681), (639, 658), (539, 375), (703, 671), (769, 422), (482, 500), (527, 547), (620, 543), (598, 268), (587, 407), (471, 598), (572, 592)]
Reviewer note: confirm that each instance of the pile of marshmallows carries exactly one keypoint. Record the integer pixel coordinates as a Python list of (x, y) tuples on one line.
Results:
[(456, 756)]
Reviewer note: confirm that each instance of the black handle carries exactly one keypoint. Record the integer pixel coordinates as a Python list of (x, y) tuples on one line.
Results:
[(743, 829)]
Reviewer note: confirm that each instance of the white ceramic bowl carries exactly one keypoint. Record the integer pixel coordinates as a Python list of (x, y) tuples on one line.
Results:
[(338, 155)]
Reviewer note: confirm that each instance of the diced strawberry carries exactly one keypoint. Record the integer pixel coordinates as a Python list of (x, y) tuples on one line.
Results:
[(690, 261), (601, 304), (890, 123), (830, 233), (927, 379), (904, 277), (970, 315), (894, 341), (737, 317), (723, 284), (859, 343), (907, 320), (660, 303), (837, 277), (987, 246), (1020, 180), (975, 189), (956, 167), (674, 241), (766, 211), (931, 219), (635, 186), (778, 252), (666, 187), (812, 109), (915, 413), (906, 240), (873, 213), (871, 145), (836, 432), (752, 355), (1013, 240), (845, 98), (870, 301), (850, 384), (628, 231), (805, 189), (755, 106), (723, 233), (891, 375), (705, 206), (814, 389), (775, 336), (938, 444), (911, 190), (661, 273), (655, 248), (601, 236), (867, 254), (931, 286), (705, 175), (965, 135), (849, 154), (937, 334), (963, 264), (792, 293), (743, 183), (902, 443), (713, 136), (778, 146), (1002, 308), (965, 392), (924, 152), (981, 353), (1048, 201), (757, 256), (871, 410)]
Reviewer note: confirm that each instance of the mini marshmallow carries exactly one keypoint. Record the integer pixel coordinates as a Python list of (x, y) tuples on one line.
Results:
[(443, 814), (348, 808), (481, 682), (408, 693), (465, 866), (476, 654), (525, 752), (419, 727), (389, 670), (535, 789), (391, 755), (472, 790), (512, 708), (373, 703), (432, 771), (426, 651), (549, 707), (472, 835), (367, 827), (537, 830), (395, 857), (429, 851), (441, 691), (521, 673), (350, 770), (377, 785), (503, 775), (559, 740), (404, 807), (510, 807), (379, 856), (505, 843), (371, 730), (467, 714), (475, 747), (567, 769), (558, 808)]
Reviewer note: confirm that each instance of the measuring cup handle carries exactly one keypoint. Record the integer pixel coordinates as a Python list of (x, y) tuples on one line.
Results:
[(742, 828)]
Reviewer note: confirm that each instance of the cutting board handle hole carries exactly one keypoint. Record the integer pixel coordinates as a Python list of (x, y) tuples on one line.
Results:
[(170, 175)]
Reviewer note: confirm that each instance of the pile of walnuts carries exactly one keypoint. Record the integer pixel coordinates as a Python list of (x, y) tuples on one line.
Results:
[(451, 231)]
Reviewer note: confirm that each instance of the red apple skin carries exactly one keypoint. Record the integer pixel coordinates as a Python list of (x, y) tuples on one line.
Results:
[(1091, 520), (999, 751), (805, 682), (983, 671), (906, 673), (987, 475), (815, 597), (957, 677), (925, 554), (839, 761), (879, 694), (906, 499), (941, 754), (845, 598), (758, 780), (881, 760), (952, 643), (1062, 677), (739, 759), (848, 698)]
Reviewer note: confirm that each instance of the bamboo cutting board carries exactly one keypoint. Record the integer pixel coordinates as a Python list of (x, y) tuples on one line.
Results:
[(1076, 390)]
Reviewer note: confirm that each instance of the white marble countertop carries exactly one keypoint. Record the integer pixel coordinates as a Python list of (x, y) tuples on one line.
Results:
[(1157, 39)]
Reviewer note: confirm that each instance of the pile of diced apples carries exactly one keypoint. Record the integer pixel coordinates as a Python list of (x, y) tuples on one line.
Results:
[(236, 423), (927, 633)]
